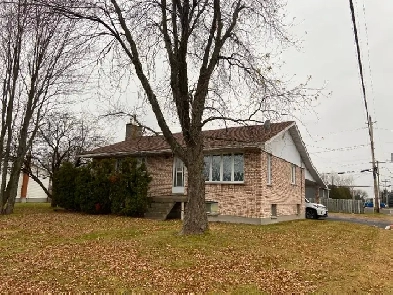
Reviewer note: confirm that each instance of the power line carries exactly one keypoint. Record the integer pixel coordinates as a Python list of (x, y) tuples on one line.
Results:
[(343, 149), (338, 132), (368, 57), (380, 146)]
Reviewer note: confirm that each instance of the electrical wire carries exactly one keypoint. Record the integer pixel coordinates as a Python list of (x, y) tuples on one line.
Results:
[(344, 149), (338, 132), (355, 31), (380, 146)]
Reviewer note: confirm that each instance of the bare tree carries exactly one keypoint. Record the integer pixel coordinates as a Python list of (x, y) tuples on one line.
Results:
[(41, 58), (201, 60), (333, 178), (13, 23), (61, 137)]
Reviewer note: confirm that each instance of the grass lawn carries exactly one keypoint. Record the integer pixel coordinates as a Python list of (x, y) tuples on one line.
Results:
[(370, 216), (43, 250)]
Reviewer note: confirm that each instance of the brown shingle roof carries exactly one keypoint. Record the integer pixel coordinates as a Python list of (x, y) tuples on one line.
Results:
[(219, 138)]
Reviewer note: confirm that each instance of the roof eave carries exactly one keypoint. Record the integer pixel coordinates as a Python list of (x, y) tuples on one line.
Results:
[(253, 146), (301, 147)]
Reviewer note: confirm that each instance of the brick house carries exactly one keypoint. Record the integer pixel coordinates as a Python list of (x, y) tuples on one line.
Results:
[(254, 174)]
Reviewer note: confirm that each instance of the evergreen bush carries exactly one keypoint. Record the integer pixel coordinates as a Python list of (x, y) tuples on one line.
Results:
[(98, 188)]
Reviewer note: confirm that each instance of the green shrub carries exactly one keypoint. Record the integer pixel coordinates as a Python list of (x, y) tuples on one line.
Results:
[(138, 204), (118, 192), (98, 189), (83, 189), (100, 185), (134, 181), (64, 187)]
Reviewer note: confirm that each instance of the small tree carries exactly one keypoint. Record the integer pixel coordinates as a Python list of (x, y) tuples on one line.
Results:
[(62, 137)]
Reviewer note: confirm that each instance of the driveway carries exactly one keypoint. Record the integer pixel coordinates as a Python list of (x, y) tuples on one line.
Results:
[(361, 220)]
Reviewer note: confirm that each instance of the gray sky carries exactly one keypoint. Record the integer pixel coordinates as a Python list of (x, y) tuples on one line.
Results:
[(328, 54)]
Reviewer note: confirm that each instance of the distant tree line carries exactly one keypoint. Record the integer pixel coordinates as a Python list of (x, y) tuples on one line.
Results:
[(342, 187)]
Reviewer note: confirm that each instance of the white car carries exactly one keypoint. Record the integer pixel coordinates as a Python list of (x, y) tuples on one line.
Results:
[(314, 210)]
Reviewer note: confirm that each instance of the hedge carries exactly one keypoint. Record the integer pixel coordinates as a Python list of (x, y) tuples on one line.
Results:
[(103, 187)]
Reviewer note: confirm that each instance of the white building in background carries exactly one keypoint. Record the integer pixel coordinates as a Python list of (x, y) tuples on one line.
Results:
[(34, 192), (29, 191)]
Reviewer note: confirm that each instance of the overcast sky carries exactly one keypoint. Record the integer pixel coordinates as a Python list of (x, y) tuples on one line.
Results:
[(329, 53), (335, 134)]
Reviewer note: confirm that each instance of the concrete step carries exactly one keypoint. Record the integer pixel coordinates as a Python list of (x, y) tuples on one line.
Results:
[(159, 210), (161, 205)]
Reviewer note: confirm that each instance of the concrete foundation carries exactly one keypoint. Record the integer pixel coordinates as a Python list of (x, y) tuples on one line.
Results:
[(256, 221), (31, 200)]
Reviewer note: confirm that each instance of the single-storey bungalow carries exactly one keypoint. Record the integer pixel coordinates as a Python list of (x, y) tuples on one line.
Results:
[(254, 174)]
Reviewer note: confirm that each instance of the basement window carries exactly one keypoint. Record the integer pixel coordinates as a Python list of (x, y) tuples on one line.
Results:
[(274, 210), (211, 208)]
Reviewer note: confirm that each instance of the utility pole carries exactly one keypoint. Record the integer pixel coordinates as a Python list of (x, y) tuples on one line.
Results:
[(379, 189), (375, 168)]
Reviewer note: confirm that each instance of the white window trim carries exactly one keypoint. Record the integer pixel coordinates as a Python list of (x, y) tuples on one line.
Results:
[(118, 163), (221, 181), (269, 169)]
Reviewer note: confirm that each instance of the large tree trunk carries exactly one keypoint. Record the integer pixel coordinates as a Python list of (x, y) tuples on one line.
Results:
[(195, 218)]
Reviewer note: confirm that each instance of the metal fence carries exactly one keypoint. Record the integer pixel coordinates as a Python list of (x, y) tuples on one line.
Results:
[(342, 205)]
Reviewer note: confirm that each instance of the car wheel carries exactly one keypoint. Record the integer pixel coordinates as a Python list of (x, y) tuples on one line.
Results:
[(311, 214)]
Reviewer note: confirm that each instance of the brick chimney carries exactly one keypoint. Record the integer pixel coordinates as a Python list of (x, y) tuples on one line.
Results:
[(133, 130)]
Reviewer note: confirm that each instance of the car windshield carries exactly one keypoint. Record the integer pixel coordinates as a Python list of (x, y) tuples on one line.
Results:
[(307, 201)]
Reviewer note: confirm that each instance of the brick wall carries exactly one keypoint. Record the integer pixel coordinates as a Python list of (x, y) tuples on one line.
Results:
[(160, 169), (253, 198), (281, 191), (240, 199)]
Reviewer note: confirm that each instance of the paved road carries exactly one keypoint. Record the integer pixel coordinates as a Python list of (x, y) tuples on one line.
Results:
[(371, 222)]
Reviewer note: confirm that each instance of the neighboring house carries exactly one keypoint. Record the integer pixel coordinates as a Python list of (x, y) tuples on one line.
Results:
[(29, 191), (254, 174)]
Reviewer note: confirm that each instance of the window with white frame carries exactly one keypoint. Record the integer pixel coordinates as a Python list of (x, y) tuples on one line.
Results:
[(140, 161), (118, 164), (269, 169), (224, 168), (293, 173)]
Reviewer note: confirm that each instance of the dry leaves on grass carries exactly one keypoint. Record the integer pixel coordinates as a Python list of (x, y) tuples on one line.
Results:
[(72, 252)]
